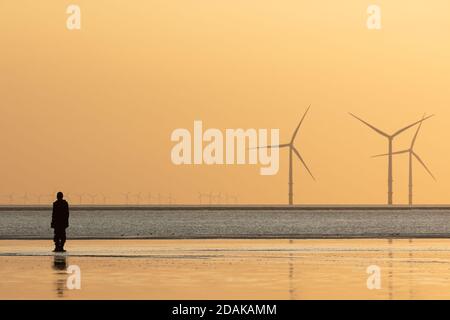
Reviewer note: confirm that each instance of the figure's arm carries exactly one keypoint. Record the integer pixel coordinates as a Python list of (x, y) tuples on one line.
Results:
[(52, 225), (67, 213)]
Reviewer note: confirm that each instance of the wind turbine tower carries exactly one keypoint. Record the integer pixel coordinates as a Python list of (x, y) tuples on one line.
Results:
[(293, 150), (411, 154), (390, 138)]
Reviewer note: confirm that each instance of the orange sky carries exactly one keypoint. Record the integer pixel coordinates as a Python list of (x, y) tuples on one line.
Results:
[(92, 110)]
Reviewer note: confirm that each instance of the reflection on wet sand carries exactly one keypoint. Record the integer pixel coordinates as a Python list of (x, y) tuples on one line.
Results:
[(60, 266), (228, 269), (390, 269), (410, 269), (291, 275)]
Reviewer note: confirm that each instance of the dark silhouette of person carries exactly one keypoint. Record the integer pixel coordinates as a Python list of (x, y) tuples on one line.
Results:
[(60, 221)]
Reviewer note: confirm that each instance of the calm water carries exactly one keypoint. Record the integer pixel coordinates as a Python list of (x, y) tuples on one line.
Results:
[(227, 269), (277, 223)]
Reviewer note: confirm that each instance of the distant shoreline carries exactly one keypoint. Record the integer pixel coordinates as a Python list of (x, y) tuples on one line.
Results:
[(253, 237), (88, 207)]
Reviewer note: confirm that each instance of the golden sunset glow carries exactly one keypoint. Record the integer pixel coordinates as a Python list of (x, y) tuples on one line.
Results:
[(92, 110)]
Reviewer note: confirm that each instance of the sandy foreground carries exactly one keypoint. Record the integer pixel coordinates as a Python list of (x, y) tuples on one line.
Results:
[(226, 269)]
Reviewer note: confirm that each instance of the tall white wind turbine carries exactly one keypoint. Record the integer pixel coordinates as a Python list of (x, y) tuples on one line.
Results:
[(411, 154), (293, 150), (390, 138)]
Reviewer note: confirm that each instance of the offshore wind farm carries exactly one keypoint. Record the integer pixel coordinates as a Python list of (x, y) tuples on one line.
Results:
[(390, 138), (411, 156), (214, 216), (220, 215), (136, 199)]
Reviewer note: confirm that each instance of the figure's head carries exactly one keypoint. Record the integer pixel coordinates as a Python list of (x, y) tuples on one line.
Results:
[(59, 196)]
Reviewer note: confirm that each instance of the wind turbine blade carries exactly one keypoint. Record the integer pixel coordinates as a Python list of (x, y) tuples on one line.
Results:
[(417, 132), (386, 154), (273, 146), (411, 125), (303, 162), (370, 126), (423, 164), (299, 124)]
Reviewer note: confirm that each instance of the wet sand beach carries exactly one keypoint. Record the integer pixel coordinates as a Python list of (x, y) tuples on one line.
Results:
[(227, 269)]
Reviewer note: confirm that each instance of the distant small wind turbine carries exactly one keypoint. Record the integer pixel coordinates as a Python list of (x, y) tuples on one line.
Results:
[(292, 150), (138, 198), (25, 198), (218, 198), (411, 154), (210, 197), (229, 198), (93, 197), (11, 198), (48, 197), (390, 138), (149, 197), (127, 197), (160, 197), (80, 198), (40, 196), (32, 195)]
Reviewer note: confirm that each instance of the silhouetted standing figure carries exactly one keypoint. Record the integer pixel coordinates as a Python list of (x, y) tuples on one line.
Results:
[(60, 221)]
